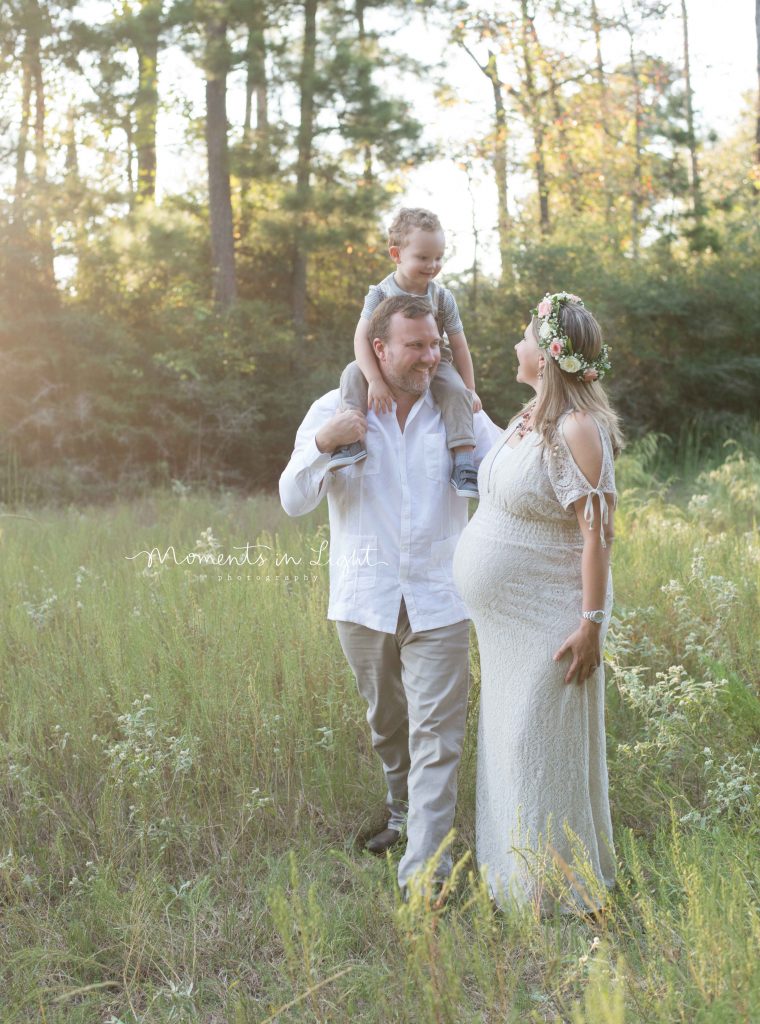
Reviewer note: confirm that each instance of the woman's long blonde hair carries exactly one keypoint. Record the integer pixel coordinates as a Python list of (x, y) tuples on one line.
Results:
[(562, 391)]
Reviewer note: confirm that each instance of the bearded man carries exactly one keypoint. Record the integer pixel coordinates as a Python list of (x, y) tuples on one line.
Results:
[(394, 523)]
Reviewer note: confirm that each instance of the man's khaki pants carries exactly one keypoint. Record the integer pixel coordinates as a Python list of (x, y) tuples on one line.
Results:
[(415, 685)]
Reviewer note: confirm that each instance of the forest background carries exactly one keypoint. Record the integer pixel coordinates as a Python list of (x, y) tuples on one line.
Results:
[(193, 196), (181, 336)]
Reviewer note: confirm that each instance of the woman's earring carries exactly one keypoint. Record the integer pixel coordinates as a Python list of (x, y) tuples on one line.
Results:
[(540, 373)]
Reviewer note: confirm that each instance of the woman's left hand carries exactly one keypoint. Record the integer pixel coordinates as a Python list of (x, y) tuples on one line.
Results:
[(585, 648)]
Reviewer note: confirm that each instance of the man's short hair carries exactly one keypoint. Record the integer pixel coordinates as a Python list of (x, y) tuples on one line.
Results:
[(407, 219), (413, 307)]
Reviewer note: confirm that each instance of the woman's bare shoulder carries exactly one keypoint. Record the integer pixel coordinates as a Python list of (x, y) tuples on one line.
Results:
[(581, 433)]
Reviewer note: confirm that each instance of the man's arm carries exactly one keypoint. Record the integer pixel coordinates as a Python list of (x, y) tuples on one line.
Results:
[(303, 483), (486, 434), (305, 480)]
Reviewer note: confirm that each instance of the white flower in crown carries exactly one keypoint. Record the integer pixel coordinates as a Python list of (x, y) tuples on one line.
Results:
[(570, 364), (545, 331)]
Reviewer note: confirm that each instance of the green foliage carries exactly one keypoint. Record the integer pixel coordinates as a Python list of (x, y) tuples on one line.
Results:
[(140, 379), (196, 855), (125, 375)]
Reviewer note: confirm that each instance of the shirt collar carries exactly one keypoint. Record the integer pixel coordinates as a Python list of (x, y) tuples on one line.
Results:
[(427, 398)]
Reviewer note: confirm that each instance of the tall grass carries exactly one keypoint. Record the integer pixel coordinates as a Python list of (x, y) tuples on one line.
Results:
[(186, 780)]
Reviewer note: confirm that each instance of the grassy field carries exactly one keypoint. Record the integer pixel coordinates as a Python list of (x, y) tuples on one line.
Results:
[(186, 779)]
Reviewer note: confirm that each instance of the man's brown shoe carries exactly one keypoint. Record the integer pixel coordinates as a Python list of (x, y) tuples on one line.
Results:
[(382, 841)]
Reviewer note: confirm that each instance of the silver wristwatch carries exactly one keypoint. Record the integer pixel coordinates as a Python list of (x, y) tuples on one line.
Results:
[(598, 616)]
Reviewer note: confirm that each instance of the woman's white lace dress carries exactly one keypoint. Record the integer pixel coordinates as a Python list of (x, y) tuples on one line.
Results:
[(541, 798)]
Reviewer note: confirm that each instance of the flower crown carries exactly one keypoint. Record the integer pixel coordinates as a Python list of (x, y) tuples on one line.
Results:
[(553, 339)]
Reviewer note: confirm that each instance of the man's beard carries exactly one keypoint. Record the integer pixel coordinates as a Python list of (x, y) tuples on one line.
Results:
[(409, 383)]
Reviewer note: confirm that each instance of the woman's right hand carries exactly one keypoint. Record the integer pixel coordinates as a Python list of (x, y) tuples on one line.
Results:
[(585, 649), (379, 396)]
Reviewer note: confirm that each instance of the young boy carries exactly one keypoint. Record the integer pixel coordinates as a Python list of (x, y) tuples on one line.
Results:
[(416, 244)]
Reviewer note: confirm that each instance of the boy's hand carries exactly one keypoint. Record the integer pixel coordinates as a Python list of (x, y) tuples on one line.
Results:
[(477, 405), (379, 396)]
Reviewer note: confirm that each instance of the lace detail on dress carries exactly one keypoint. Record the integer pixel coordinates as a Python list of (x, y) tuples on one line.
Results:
[(569, 483)]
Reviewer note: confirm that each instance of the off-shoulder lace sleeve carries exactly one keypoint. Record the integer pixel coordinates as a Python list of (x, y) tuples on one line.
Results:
[(570, 484)]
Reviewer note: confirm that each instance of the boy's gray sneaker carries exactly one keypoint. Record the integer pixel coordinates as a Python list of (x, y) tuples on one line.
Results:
[(464, 480), (347, 455)]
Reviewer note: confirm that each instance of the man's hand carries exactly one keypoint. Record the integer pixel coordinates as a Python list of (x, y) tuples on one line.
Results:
[(379, 396), (344, 428), (477, 405)]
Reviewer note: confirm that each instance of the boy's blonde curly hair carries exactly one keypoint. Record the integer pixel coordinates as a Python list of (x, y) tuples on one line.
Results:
[(407, 219)]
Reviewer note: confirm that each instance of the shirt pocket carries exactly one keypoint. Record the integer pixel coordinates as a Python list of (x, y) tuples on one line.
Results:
[(357, 561), (437, 458), (365, 467), (441, 558)]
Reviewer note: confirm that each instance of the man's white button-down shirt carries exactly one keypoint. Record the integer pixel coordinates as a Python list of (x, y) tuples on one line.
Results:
[(394, 517)]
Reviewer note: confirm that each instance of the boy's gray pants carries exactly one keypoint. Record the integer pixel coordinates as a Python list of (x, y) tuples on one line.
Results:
[(453, 397), (415, 685)]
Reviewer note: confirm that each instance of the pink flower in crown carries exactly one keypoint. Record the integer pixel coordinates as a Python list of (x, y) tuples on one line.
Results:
[(555, 349), (589, 375), (544, 307)]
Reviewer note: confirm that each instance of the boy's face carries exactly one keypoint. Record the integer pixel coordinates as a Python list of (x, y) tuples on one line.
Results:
[(420, 258)]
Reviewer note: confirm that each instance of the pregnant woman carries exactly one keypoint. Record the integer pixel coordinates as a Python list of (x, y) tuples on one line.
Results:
[(533, 568)]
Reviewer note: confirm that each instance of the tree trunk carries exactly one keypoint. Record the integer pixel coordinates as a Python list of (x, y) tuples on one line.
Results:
[(474, 293), (146, 100), (303, 168), (596, 26), (256, 77), (500, 166), (696, 191), (43, 228), (637, 156), (564, 149), (532, 109), (364, 72), (30, 221), (220, 203), (72, 157), (603, 99), (256, 87), (499, 159), (20, 186), (129, 132)]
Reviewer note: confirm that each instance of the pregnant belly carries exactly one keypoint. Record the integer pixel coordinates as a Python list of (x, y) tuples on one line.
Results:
[(501, 568)]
